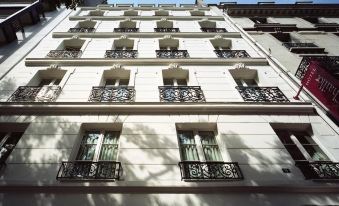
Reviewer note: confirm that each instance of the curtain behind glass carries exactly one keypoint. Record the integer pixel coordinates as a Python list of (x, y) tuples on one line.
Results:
[(188, 148), (109, 147), (210, 146), (88, 145)]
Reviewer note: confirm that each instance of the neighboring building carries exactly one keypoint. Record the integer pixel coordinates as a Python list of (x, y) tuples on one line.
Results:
[(159, 106), (298, 37)]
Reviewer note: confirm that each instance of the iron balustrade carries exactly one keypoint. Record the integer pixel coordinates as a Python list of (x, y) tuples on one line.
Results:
[(330, 63), (231, 54), (172, 54), (261, 94), (88, 170), (193, 170), (81, 30), (291, 45), (112, 94), (64, 54), (319, 170), (166, 29), (181, 94), (218, 30), (126, 30), (121, 54), (35, 94)]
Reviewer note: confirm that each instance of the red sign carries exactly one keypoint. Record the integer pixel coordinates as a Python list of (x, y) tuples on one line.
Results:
[(323, 86)]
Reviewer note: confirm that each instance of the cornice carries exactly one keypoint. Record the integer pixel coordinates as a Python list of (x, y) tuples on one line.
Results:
[(117, 18), (142, 61), (147, 34), (53, 108), (104, 8)]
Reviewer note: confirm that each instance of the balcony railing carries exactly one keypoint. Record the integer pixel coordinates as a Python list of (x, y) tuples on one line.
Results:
[(172, 54), (181, 94), (231, 54), (330, 63), (290, 45), (64, 53), (261, 94), (319, 170), (166, 29), (121, 54), (191, 170), (126, 30), (218, 30), (35, 94), (112, 94), (88, 170), (81, 30)]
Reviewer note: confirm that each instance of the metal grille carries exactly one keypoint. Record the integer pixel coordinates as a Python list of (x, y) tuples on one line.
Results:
[(330, 63), (172, 54), (193, 170), (121, 54), (166, 29), (232, 54), (290, 45), (35, 94), (126, 29), (64, 53), (81, 30), (261, 94), (319, 170), (218, 30), (88, 170), (181, 94), (112, 94)]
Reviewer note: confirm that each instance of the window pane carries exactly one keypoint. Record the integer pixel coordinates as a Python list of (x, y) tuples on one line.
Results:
[(182, 82), (238, 81), (9, 145), (210, 146), (110, 82), (123, 82), (45, 82), (304, 138), (91, 138), (111, 137), (109, 152), (250, 82), (207, 138), (187, 146), (86, 152), (168, 82), (57, 81), (295, 152), (316, 153), (186, 137), (284, 136)]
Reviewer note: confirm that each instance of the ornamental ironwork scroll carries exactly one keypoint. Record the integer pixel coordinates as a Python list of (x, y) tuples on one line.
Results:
[(193, 170), (88, 170), (181, 94), (166, 29), (81, 30), (319, 170), (35, 94), (330, 63), (126, 29), (64, 53), (121, 54), (172, 54), (261, 94), (112, 94), (231, 54), (217, 30), (291, 44)]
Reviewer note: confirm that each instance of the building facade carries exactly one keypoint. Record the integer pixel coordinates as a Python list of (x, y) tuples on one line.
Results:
[(159, 105)]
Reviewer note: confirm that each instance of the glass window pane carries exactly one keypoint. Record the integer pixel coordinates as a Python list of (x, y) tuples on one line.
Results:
[(109, 152), (86, 152), (238, 81), (284, 136), (57, 81), (207, 138), (182, 82), (45, 82), (304, 138), (188, 148), (111, 137), (123, 82), (186, 137), (295, 152), (316, 153), (210, 146), (91, 138), (110, 82), (250, 82), (168, 82)]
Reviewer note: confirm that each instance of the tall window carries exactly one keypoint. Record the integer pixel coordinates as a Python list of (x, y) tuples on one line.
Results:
[(246, 82), (8, 140), (99, 146), (116, 82), (175, 82), (198, 145)]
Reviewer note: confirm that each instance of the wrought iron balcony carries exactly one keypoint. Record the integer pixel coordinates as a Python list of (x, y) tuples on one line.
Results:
[(303, 48), (330, 63), (121, 54), (172, 54), (218, 30), (81, 30), (126, 30), (166, 29), (261, 94), (319, 170), (181, 94), (35, 94), (192, 170), (112, 94), (88, 170), (231, 54), (291, 44), (64, 53)]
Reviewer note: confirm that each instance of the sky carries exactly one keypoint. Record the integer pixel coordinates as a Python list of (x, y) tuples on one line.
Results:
[(178, 2)]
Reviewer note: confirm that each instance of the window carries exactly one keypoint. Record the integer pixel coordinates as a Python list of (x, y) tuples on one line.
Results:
[(98, 146), (246, 82), (116, 82), (175, 82), (49, 82)]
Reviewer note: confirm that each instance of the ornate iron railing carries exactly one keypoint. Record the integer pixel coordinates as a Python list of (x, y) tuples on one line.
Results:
[(218, 30), (191, 170), (126, 29), (121, 54), (166, 29), (181, 94), (319, 170), (112, 94), (88, 170), (261, 94), (35, 94), (290, 45), (172, 54), (330, 63), (231, 54), (64, 53), (81, 30)]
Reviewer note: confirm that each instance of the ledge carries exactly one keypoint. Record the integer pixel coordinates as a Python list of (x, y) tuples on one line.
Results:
[(12, 108), (138, 8), (142, 61), (147, 34), (75, 18)]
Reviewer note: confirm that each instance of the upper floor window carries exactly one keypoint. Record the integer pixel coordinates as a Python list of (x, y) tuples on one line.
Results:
[(84, 26), (210, 26), (69, 48), (197, 12), (127, 26), (223, 48), (97, 12), (259, 20), (161, 12), (131, 12)]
